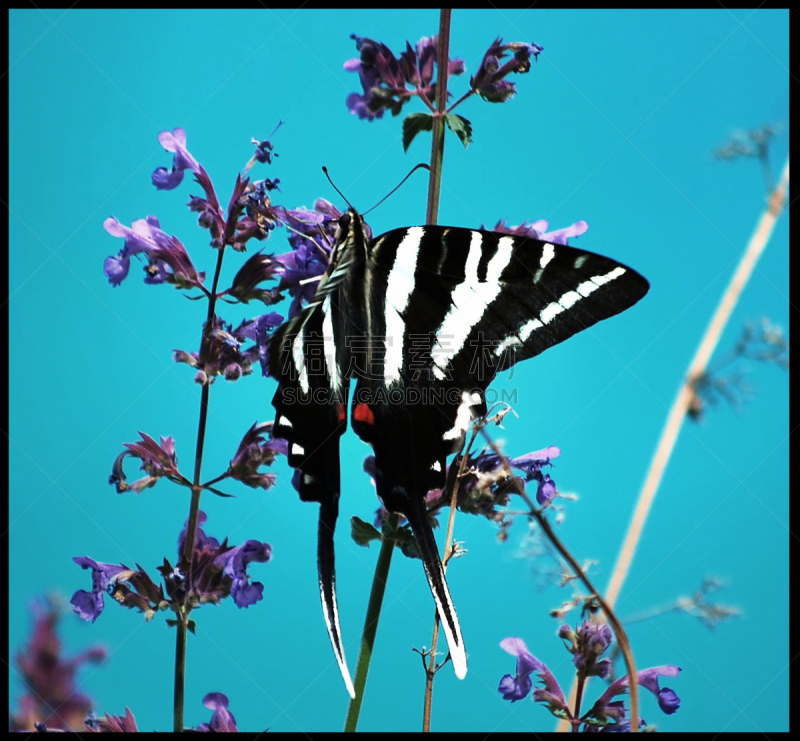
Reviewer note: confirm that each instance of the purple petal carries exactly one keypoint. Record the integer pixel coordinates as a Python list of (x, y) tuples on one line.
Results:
[(87, 605)]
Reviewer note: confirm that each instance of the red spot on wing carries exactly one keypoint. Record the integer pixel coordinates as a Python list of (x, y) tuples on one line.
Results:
[(362, 413), (342, 413)]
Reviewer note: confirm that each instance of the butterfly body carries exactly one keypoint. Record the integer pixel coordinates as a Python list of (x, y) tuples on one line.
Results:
[(420, 319)]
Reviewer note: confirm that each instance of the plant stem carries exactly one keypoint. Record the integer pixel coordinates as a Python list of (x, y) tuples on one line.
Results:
[(194, 507), (576, 713), (437, 138), (371, 623), (616, 625), (430, 671)]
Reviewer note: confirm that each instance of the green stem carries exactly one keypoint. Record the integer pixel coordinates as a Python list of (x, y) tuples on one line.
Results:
[(371, 623), (180, 672), (437, 139), (194, 507)]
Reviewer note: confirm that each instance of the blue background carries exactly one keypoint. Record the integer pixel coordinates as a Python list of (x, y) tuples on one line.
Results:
[(615, 125)]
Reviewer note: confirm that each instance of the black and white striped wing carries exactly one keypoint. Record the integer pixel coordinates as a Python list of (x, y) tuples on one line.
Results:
[(311, 415), (489, 300)]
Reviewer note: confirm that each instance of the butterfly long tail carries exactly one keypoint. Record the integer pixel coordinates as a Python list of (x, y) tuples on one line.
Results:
[(418, 519), (328, 512)]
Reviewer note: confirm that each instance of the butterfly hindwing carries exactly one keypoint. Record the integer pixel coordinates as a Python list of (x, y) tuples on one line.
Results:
[(310, 414)]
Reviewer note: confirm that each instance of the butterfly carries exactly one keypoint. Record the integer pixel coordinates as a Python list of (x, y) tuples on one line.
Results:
[(420, 320)]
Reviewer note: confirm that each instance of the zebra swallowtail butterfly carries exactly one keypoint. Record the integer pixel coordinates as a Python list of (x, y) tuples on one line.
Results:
[(420, 309)]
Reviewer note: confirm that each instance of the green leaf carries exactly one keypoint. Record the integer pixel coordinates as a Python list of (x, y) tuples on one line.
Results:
[(191, 625), (460, 126), (363, 533), (404, 539), (413, 124)]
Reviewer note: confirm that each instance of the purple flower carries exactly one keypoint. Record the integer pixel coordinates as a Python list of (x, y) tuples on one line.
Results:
[(312, 234), (174, 141), (264, 150), (538, 230), (222, 720), (668, 700), (255, 451), (488, 82), (234, 563), (168, 261), (226, 354), (130, 588), (385, 80), (201, 540), (51, 697), (112, 723), (587, 644), (256, 270), (518, 687), (531, 464), (89, 605), (157, 461)]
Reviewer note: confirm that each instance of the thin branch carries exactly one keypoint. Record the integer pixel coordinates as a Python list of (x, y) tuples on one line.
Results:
[(680, 406)]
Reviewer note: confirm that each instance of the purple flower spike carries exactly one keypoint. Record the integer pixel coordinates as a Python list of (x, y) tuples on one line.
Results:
[(174, 141), (235, 563), (222, 720), (89, 605)]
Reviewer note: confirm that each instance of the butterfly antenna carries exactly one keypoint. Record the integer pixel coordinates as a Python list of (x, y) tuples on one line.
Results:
[(325, 170), (413, 170)]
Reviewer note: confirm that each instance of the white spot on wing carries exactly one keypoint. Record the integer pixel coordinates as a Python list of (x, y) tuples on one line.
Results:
[(579, 262), (548, 253), (300, 361), (298, 449), (330, 346), (569, 299), (529, 327), (436, 466), (399, 288), (463, 415), (550, 311)]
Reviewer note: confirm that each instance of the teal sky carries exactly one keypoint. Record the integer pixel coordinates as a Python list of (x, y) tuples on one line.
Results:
[(614, 125)]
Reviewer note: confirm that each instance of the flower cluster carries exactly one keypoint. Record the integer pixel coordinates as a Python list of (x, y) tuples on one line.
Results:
[(489, 81), (52, 700), (586, 643), (216, 572), (157, 461), (167, 259), (225, 354), (386, 80), (311, 236), (255, 451)]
